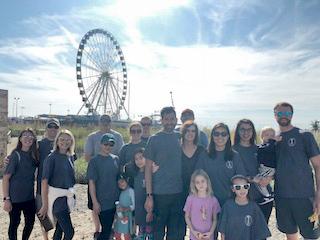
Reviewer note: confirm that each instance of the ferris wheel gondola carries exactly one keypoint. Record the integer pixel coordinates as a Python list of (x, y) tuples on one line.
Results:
[(101, 74)]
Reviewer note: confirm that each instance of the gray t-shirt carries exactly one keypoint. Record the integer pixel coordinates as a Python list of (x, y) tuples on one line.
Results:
[(242, 222), (249, 158), (21, 183), (294, 177), (103, 170), (92, 146), (58, 169), (164, 149), (220, 173), (45, 148)]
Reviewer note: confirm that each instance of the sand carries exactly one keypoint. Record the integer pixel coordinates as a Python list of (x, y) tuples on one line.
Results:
[(81, 219)]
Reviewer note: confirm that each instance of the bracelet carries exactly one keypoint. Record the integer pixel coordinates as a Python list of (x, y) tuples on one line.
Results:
[(149, 194)]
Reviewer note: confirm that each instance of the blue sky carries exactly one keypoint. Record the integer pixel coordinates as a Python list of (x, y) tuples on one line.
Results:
[(226, 60)]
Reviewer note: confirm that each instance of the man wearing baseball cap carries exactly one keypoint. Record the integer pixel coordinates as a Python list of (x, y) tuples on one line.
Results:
[(92, 148), (102, 173)]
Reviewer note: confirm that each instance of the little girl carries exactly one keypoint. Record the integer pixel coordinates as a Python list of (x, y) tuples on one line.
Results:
[(142, 218), (124, 207), (240, 218), (201, 207), (18, 184)]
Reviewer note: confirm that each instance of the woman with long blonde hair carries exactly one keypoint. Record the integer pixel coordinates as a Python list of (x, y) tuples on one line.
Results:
[(57, 184)]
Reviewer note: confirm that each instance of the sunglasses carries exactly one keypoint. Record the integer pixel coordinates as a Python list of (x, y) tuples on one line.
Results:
[(50, 126), (111, 144), (217, 134), (244, 130), (135, 131), (284, 114), (239, 186), (146, 124), (28, 136)]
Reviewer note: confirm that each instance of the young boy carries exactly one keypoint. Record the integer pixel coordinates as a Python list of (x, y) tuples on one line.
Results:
[(102, 175), (267, 160)]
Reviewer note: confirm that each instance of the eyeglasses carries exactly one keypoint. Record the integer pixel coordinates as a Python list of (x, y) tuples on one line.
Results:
[(111, 144), (50, 126), (245, 130), (284, 114), (239, 186), (146, 124), (135, 131), (217, 134)]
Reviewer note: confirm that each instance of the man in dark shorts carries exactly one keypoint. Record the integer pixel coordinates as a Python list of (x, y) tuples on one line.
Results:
[(295, 196), (164, 187)]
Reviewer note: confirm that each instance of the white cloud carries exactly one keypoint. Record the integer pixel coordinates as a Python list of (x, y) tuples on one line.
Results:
[(207, 78)]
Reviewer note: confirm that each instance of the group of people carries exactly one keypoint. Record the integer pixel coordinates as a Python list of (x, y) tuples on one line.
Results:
[(157, 185)]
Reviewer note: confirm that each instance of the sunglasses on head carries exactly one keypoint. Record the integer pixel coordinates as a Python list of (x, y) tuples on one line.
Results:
[(284, 114), (135, 131), (217, 134), (50, 126), (111, 144), (239, 186)]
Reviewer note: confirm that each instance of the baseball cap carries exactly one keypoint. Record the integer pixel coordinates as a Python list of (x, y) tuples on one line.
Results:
[(107, 138), (53, 121)]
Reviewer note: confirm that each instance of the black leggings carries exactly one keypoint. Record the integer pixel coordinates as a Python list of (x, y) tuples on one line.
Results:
[(106, 218), (29, 210)]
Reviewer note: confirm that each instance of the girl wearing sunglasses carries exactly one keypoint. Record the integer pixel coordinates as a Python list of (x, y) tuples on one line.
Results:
[(241, 218)]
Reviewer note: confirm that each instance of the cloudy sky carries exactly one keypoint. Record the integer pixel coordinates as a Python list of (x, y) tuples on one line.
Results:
[(225, 59)]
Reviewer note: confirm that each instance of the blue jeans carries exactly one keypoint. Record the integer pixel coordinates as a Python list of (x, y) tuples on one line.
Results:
[(64, 226)]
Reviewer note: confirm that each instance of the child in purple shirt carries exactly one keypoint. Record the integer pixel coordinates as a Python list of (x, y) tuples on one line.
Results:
[(201, 207)]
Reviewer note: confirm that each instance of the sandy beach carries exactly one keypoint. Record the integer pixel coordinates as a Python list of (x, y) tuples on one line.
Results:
[(81, 219)]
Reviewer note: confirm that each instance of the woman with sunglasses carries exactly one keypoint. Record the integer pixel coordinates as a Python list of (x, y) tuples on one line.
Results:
[(127, 151), (223, 163), (241, 218), (18, 184), (58, 180), (245, 145)]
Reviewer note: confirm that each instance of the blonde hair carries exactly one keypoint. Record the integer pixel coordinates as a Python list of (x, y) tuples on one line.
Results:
[(264, 129), (70, 150), (196, 173)]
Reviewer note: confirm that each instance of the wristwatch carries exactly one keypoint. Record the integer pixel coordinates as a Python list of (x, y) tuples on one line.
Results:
[(6, 198)]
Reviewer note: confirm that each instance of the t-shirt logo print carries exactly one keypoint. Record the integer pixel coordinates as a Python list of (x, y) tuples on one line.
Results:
[(248, 220), (292, 142), (229, 164)]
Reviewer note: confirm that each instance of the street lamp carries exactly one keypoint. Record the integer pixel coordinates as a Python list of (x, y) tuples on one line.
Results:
[(50, 104), (16, 99)]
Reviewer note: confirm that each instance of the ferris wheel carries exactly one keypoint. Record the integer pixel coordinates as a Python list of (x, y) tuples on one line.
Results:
[(101, 74)]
